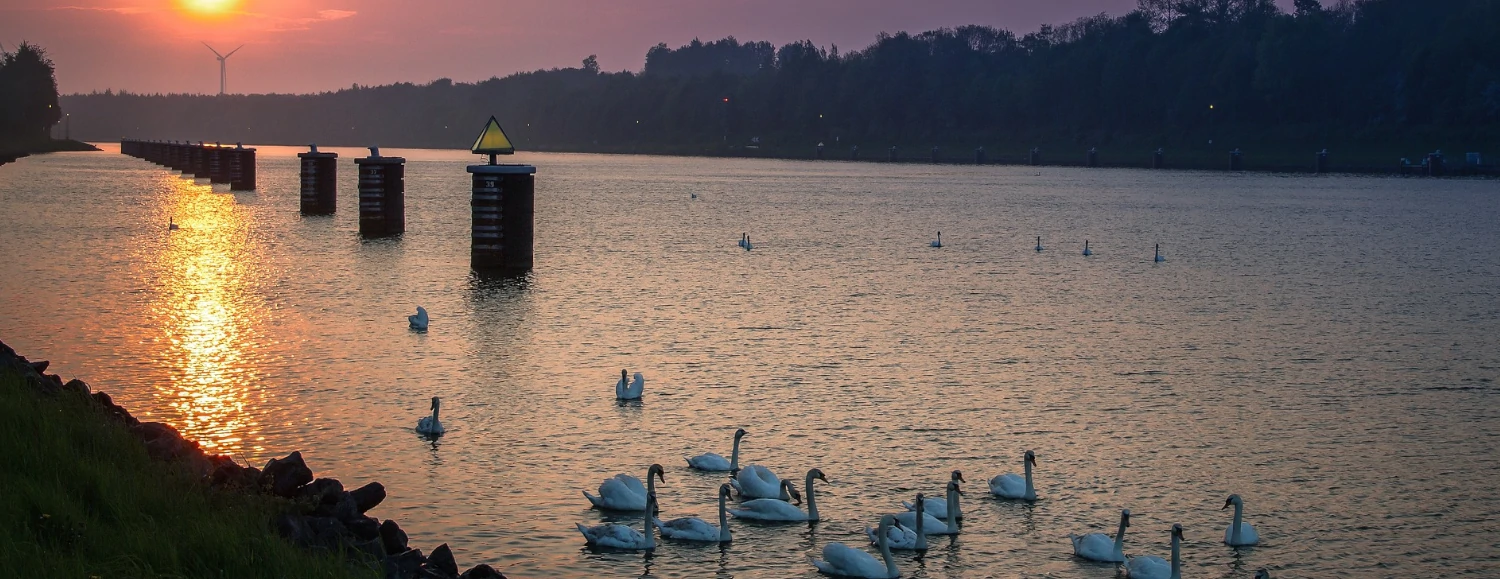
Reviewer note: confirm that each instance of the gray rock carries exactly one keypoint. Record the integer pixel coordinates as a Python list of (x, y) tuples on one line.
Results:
[(368, 496), (405, 565), (346, 509), (482, 571), (323, 491), (365, 528), (294, 529), (392, 537), (441, 560), (284, 475)]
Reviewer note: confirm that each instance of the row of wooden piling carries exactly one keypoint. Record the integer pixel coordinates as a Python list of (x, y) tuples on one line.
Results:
[(234, 166)]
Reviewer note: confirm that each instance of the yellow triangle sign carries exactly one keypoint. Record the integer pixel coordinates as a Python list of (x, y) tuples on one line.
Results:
[(493, 140)]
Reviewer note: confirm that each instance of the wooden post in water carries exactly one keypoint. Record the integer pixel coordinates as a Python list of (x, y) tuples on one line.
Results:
[(818, 153), (1159, 159), (854, 153), (241, 168), (1035, 158), (1435, 163), (218, 164), (934, 155), (382, 194), (503, 203), (1320, 165), (979, 156), (891, 155), (199, 160), (320, 185), (1092, 159), (1236, 160)]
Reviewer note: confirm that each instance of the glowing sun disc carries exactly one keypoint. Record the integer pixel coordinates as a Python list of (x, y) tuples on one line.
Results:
[(208, 7)]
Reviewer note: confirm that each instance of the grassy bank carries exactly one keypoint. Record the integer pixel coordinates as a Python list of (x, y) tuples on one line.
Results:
[(80, 498)]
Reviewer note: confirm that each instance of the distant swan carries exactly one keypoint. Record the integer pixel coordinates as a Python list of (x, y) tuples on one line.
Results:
[(1086, 251), (696, 529), (1153, 567), (937, 242), (937, 507), (1038, 243), (617, 536), (1099, 547), (712, 462), (1010, 486), (931, 525), (171, 224), (779, 510), (418, 321), (899, 537), (744, 239), (623, 492), (1239, 533), (429, 424), (1159, 258), (630, 390), (758, 482), (748, 246), (841, 560)]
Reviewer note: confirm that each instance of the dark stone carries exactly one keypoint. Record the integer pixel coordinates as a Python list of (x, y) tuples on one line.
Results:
[(365, 528), (77, 386), (366, 497), (294, 528), (441, 559), (482, 571), (323, 491), (392, 537), (285, 475), (228, 475), (369, 547), (114, 410), (327, 532), (40, 366), (404, 565), (346, 509)]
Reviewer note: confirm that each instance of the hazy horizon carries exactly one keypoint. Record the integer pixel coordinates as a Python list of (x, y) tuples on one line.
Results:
[(155, 46)]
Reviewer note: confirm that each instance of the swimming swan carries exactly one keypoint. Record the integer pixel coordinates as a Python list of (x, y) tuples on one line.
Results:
[(418, 321), (696, 529), (1099, 547), (617, 536), (744, 238), (712, 462), (171, 224), (630, 390), (937, 242), (758, 482), (937, 507), (930, 525), (841, 560), (1010, 486), (779, 510), (899, 537), (626, 493), (1153, 567), (748, 246), (1239, 533), (1159, 258), (429, 424), (1086, 251), (1038, 243)]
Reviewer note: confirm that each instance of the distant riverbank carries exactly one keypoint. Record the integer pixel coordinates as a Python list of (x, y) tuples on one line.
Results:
[(12, 151)]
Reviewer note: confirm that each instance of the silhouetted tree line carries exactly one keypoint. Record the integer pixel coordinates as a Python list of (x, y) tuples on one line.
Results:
[(1172, 73), (28, 95)]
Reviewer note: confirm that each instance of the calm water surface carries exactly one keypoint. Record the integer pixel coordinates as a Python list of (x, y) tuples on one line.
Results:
[(1325, 347)]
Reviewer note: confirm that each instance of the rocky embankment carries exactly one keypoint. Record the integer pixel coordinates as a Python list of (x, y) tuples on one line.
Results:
[(319, 514), (10, 152)]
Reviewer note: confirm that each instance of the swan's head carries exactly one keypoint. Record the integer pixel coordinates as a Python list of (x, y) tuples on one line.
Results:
[(954, 488), (421, 311), (738, 434), (1232, 500), (1125, 518), (815, 474), (1262, 574), (724, 491), (1031, 458), (657, 470), (623, 374), (958, 476), (1177, 531), (886, 522), (791, 491), (435, 402), (920, 499)]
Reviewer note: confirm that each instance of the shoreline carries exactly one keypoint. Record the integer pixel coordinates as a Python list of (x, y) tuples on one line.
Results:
[(315, 516), (11, 152)]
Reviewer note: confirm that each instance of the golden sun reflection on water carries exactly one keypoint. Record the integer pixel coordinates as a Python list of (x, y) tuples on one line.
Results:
[(203, 290)]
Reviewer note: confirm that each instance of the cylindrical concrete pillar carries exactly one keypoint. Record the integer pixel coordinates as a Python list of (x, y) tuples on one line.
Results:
[(1320, 165), (1159, 159), (854, 153), (979, 156), (1035, 158), (218, 164), (1092, 159), (818, 153), (382, 195), (319, 182), (199, 154), (891, 154), (503, 205), (1435, 164), (1236, 160), (241, 168), (934, 155)]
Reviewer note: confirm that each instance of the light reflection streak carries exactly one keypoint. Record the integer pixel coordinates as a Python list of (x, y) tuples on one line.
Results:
[(202, 284)]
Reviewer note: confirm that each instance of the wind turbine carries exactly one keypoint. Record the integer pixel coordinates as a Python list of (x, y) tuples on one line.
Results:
[(223, 75)]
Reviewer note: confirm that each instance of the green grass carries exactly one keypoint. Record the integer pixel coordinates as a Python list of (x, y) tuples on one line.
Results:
[(80, 498)]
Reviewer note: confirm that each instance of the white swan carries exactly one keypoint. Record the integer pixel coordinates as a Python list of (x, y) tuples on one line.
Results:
[(712, 462), (1262, 574), (630, 390), (696, 529), (937, 242), (748, 246), (617, 536), (1159, 258), (899, 537), (758, 482), (171, 224), (1153, 567), (1086, 251), (841, 560), (744, 238), (418, 321), (1099, 547), (937, 507), (779, 510), (1239, 533), (429, 424), (1038, 243), (930, 525), (1010, 486), (623, 492)]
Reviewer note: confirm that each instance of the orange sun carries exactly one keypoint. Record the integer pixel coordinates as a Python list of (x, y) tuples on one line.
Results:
[(208, 7)]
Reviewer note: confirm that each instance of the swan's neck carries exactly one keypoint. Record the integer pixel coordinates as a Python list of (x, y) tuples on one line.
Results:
[(1120, 536), (650, 484), (812, 500), (952, 510), (434, 414), (1176, 557), (651, 528), (921, 536), (1030, 490), (1234, 529), (723, 520), (885, 549), (734, 457)]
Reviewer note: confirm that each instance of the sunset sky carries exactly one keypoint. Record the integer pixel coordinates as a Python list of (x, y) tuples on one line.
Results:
[(316, 45)]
